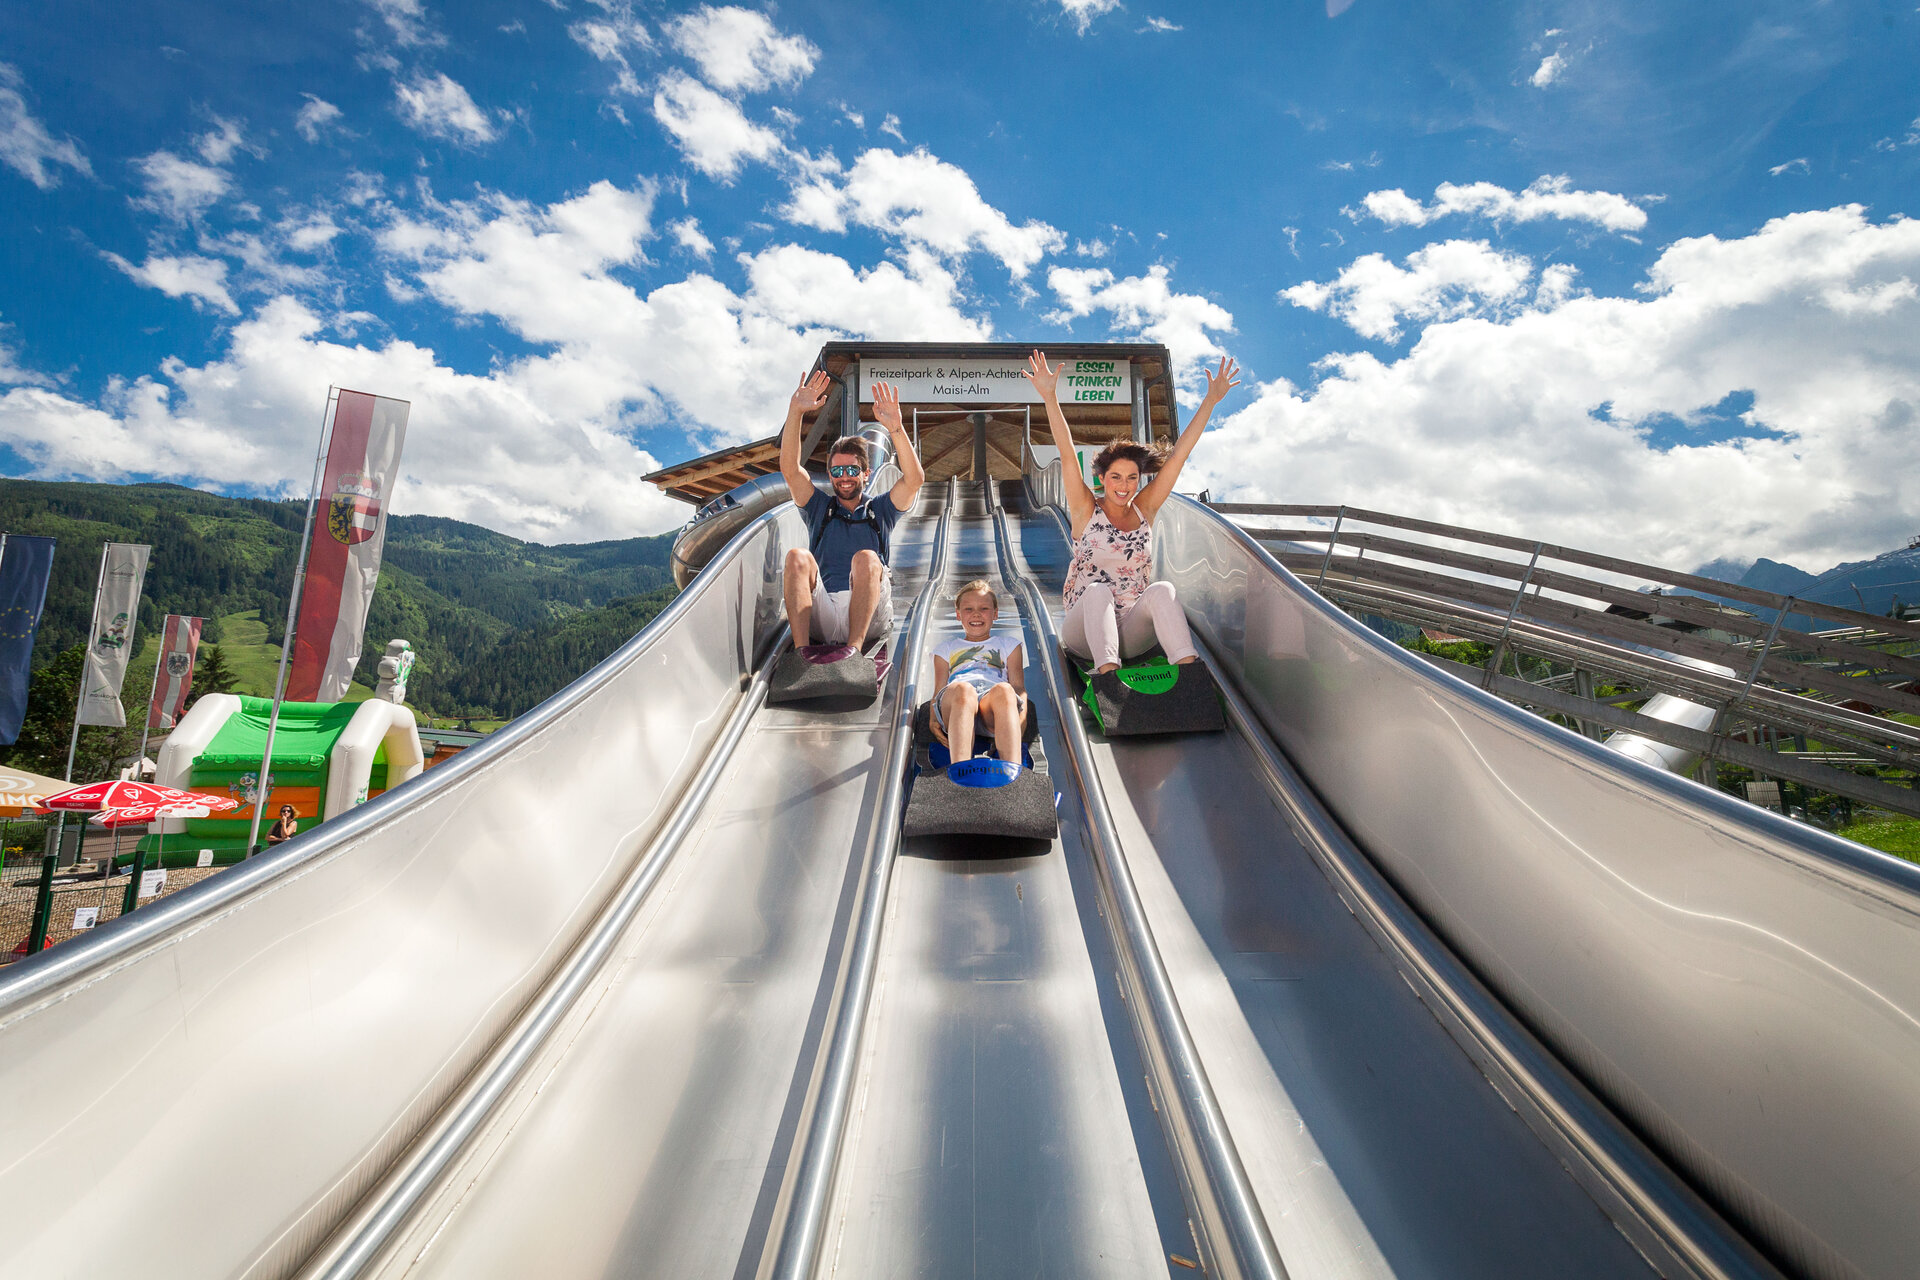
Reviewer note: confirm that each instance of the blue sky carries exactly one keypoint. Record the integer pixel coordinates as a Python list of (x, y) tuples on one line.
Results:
[(1632, 276)]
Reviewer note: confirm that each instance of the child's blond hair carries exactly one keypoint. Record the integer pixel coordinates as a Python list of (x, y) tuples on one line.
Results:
[(980, 585)]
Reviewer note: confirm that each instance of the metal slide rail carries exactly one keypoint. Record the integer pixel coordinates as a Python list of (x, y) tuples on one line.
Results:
[(280, 1034), (1667, 1222), (794, 1241), (1230, 1230), (358, 1242), (1743, 990)]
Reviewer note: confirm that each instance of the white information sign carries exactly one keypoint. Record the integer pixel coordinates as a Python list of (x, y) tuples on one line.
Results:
[(152, 882), (85, 918), (206, 858), (996, 381)]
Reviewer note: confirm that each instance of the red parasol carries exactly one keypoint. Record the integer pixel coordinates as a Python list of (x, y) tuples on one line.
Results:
[(146, 814), (123, 795)]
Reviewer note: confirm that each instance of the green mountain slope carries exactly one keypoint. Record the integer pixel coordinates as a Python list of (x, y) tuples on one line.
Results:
[(460, 593)]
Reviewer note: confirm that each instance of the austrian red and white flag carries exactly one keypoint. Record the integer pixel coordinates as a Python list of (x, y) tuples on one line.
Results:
[(343, 557), (173, 678)]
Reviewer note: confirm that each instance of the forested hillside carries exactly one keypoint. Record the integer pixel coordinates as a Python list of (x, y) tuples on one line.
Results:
[(498, 623)]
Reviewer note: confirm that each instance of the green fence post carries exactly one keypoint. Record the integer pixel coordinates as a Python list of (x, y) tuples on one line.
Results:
[(133, 886), (42, 906)]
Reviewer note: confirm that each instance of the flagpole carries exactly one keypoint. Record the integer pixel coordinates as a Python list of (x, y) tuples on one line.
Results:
[(293, 618), (146, 726), (80, 696)]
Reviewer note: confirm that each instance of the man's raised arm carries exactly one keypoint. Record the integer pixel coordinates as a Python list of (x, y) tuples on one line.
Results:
[(886, 409), (811, 394)]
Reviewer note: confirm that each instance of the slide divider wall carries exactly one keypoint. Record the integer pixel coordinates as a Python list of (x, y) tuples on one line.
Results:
[(267, 1042)]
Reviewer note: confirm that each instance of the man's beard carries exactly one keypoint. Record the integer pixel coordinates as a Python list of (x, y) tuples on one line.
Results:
[(846, 488)]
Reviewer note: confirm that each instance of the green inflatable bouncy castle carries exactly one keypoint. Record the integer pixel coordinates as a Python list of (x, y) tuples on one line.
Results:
[(327, 758)]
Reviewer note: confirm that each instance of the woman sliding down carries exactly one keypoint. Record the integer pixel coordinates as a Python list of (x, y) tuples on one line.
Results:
[(1114, 609)]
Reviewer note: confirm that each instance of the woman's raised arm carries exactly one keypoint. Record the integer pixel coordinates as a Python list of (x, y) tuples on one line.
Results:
[(1219, 382), (1073, 486)]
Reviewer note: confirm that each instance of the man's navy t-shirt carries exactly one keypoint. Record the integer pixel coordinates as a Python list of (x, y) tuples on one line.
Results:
[(839, 534)]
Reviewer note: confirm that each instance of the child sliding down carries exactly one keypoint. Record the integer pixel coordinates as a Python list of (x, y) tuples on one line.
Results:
[(979, 672)]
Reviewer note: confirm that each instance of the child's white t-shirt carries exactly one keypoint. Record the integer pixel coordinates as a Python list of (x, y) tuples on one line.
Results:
[(980, 663)]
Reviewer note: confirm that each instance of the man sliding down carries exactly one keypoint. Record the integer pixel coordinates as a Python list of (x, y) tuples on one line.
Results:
[(839, 591)]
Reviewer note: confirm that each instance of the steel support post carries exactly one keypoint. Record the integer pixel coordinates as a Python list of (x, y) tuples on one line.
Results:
[(1333, 541), (1506, 629)]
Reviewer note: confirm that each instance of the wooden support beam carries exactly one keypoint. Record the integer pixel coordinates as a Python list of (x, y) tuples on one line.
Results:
[(1591, 560), (1782, 670), (1700, 613)]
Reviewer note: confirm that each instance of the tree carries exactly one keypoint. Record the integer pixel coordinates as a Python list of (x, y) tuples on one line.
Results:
[(210, 673), (47, 727)]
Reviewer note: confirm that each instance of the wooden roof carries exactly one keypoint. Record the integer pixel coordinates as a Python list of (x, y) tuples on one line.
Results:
[(946, 431)]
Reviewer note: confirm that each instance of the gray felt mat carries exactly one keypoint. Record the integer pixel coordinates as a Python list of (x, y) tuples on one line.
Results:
[(850, 678), (1021, 810)]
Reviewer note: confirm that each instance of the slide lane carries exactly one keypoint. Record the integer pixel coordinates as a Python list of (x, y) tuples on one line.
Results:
[(991, 1134), (652, 1135), (1375, 1145)]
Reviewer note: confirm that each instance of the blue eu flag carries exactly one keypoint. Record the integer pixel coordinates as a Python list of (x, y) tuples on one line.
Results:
[(25, 564)]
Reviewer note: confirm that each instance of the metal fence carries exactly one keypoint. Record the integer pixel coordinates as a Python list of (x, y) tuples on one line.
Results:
[(1589, 620), (41, 899)]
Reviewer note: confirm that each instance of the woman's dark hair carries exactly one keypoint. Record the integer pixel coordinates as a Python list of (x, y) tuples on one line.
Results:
[(854, 446), (1140, 455)]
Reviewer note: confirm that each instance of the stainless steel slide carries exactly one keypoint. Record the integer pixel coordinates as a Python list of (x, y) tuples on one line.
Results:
[(1390, 979)]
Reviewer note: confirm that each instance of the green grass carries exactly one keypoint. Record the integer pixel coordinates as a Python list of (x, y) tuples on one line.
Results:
[(1898, 836), (255, 663)]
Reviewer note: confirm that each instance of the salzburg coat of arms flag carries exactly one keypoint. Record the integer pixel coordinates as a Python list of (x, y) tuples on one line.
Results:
[(343, 554)]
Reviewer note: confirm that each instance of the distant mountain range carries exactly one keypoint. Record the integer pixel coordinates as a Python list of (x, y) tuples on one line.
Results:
[(1874, 586), (499, 624)]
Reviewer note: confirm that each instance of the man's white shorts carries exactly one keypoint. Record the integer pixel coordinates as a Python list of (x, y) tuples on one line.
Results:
[(830, 610)]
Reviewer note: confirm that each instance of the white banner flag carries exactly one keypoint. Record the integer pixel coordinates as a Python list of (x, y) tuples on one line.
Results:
[(343, 557), (110, 643)]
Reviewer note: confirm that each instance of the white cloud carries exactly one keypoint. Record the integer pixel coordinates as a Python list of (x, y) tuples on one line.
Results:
[(724, 360), (710, 130), (1548, 71), (854, 118), (1798, 162), (1546, 197), (407, 23), (1091, 249), (440, 107), (217, 145), (740, 50), (1539, 424), (1162, 26), (1148, 307), (311, 233), (204, 280), (687, 234), (891, 125), (541, 445), (25, 145), (921, 199), (315, 118), (609, 38), (1082, 12), (1442, 281), (180, 189)]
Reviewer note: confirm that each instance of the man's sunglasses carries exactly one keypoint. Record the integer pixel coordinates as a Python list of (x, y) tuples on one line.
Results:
[(843, 473)]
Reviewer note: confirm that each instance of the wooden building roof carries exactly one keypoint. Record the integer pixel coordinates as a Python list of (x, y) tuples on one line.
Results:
[(946, 428)]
